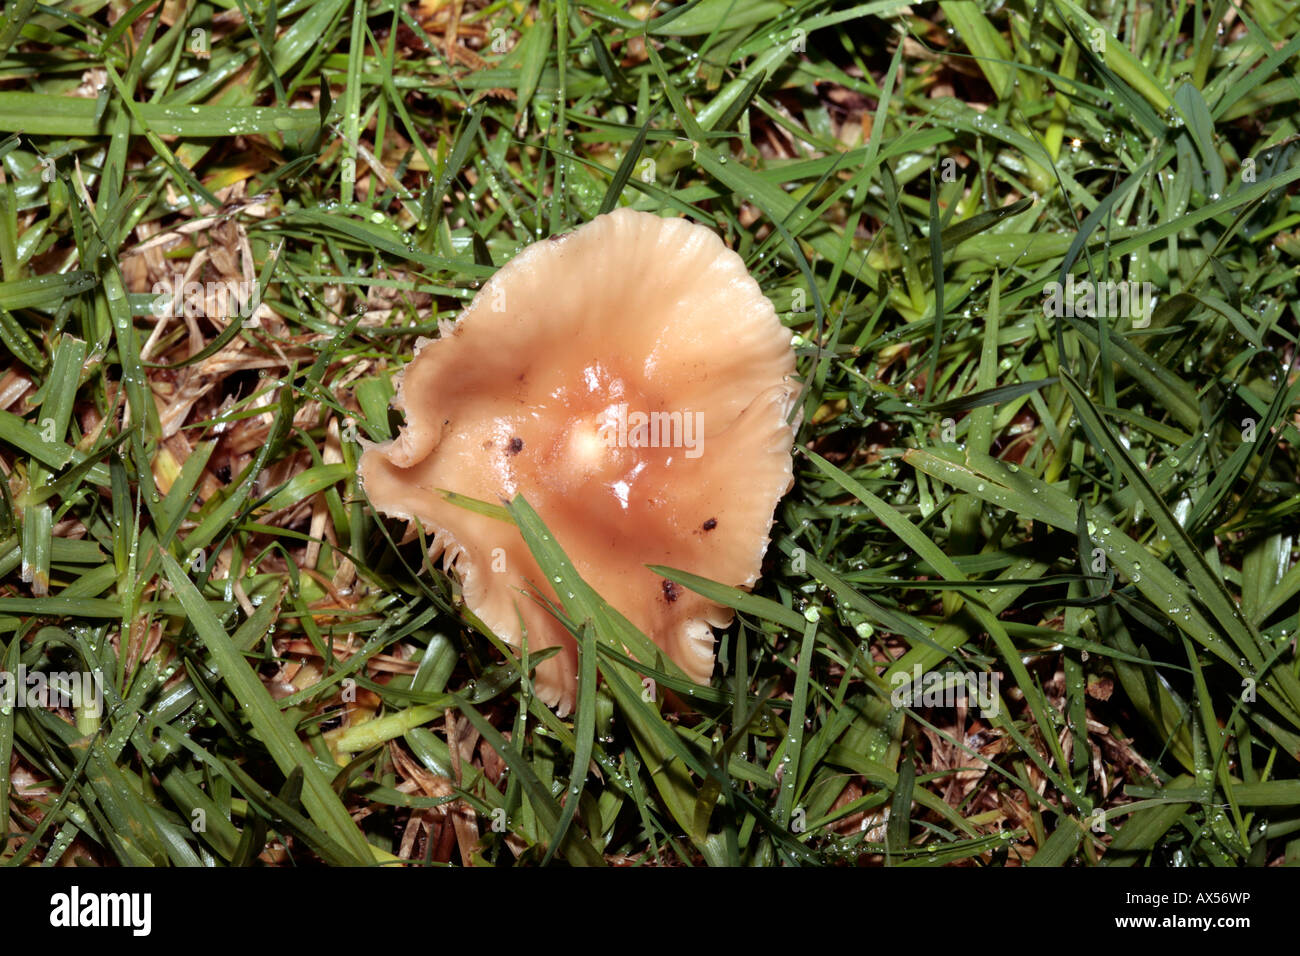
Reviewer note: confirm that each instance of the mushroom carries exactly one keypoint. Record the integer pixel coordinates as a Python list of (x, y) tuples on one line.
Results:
[(631, 380)]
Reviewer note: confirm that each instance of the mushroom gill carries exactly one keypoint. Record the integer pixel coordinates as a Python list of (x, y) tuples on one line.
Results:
[(629, 379)]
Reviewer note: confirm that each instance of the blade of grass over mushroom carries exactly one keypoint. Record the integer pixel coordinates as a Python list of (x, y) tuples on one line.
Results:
[(578, 599), (664, 751), (743, 601), (485, 508), (584, 605)]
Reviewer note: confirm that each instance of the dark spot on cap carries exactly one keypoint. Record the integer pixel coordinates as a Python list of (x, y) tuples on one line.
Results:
[(670, 591), (710, 524), (516, 445)]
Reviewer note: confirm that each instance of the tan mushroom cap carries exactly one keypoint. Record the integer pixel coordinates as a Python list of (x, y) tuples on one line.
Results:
[(525, 393)]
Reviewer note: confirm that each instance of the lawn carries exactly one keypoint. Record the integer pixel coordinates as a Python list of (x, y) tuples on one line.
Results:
[(1039, 265)]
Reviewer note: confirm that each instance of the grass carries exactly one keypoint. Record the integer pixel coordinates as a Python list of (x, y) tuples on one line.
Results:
[(1099, 512)]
